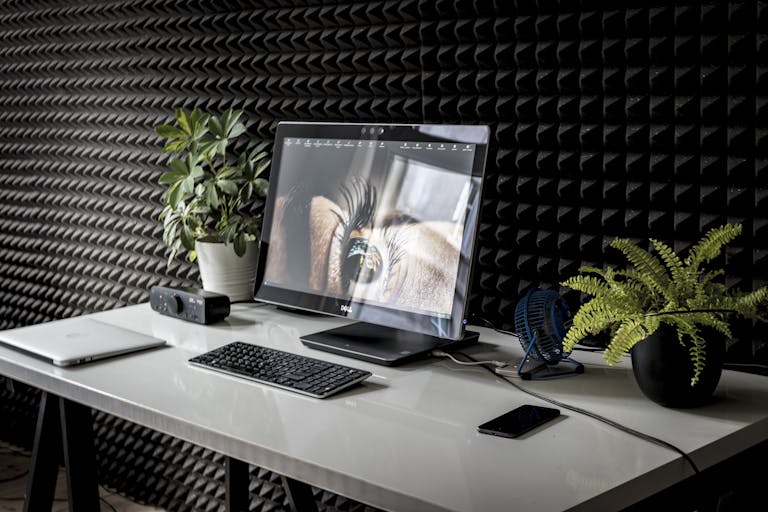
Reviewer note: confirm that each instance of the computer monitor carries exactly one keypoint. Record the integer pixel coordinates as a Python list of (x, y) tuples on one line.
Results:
[(376, 223)]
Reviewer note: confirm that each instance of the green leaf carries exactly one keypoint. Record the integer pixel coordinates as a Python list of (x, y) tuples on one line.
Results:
[(191, 163), (170, 230), (214, 125), (227, 186), (261, 187), (188, 185), (240, 244), (199, 124), (187, 237), (229, 120), (262, 165), (174, 251), (169, 132), (227, 173), (165, 212), (182, 118), (197, 172), (237, 130), (207, 144), (212, 196), (258, 156), (245, 192), (179, 166), (170, 177), (258, 152), (175, 146), (175, 194)]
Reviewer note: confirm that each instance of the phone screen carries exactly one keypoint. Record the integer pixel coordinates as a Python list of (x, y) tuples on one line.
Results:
[(518, 421)]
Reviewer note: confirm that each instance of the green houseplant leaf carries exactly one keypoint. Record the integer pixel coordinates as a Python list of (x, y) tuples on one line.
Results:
[(657, 289), (210, 193)]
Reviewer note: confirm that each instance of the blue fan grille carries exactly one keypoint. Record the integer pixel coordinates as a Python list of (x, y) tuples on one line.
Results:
[(542, 315)]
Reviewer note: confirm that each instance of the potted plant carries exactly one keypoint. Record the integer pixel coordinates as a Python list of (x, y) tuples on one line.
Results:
[(668, 312), (212, 199)]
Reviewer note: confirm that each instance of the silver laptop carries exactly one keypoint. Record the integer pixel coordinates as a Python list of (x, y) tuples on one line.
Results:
[(76, 340)]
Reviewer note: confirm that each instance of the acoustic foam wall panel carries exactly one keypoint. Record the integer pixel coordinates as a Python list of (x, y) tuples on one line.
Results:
[(608, 119)]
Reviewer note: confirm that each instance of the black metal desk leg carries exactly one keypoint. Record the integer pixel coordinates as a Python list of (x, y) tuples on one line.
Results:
[(299, 495), (237, 481), (62, 426), (46, 453), (79, 456)]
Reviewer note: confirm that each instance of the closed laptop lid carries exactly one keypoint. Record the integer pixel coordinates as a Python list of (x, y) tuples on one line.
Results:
[(76, 340)]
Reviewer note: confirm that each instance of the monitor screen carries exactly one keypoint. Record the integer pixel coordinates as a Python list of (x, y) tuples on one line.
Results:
[(374, 222)]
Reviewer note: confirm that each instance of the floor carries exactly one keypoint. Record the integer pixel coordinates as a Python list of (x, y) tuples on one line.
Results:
[(14, 468)]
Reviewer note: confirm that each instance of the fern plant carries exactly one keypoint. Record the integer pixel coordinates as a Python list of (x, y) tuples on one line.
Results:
[(657, 289)]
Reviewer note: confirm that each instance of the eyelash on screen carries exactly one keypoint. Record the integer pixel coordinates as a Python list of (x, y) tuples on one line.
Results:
[(395, 252), (360, 201)]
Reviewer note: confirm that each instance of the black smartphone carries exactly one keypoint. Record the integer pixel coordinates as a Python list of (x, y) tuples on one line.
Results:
[(519, 421)]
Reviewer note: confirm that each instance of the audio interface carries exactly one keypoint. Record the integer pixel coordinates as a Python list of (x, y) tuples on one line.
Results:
[(191, 304)]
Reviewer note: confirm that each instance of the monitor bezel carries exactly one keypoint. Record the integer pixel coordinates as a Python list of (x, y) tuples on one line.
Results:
[(451, 328)]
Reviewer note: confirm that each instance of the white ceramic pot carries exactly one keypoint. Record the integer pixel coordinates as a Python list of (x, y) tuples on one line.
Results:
[(223, 271)]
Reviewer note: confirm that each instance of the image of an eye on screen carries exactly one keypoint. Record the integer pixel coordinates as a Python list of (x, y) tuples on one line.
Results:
[(383, 224)]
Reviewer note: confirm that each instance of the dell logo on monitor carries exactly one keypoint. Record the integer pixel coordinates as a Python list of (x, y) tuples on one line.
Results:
[(346, 308)]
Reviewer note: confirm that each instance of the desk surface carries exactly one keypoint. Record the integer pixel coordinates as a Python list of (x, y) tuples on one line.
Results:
[(407, 438)]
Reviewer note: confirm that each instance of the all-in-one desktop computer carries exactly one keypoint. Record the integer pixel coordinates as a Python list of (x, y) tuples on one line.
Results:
[(375, 223)]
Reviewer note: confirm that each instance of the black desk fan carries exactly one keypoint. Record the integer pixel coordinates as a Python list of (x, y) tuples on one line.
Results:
[(542, 318)]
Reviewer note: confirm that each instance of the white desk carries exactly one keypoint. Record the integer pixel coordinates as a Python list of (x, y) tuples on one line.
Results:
[(406, 439)]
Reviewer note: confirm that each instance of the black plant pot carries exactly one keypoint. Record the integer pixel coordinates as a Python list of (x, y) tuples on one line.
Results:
[(663, 369)]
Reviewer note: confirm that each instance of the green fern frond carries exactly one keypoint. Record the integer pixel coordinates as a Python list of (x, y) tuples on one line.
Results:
[(670, 259), (711, 244), (587, 284), (689, 322), (705, 295), (645, 262), (644, 288), (587, 269), (631, 280), (591, 318), (698, 352), (630, 332), (748, 305), (711, 275), (688, 334)]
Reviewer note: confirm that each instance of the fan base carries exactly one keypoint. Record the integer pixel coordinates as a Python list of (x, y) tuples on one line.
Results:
[(546, 371)]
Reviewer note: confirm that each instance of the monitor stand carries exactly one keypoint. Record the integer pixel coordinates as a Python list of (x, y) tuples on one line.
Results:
[(381, 345)]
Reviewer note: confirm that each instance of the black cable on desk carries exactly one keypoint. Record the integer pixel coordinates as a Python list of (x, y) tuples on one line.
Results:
[(590, 414)]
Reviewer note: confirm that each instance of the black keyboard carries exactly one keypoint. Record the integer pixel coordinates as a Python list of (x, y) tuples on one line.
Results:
[(293, 372)]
